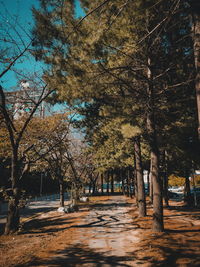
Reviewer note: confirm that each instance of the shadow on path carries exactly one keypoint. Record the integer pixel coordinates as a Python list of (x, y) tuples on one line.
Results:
[(101, 235), (79, 255), (46, 225)]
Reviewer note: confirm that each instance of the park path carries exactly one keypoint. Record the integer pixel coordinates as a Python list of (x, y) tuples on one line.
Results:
[(108, 234), (105, 236), (105, 233)]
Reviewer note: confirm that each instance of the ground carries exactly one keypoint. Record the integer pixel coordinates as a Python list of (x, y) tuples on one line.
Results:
[(106, 232)]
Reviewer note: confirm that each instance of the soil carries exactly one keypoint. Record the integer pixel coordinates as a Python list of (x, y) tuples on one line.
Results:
[(106, 232)]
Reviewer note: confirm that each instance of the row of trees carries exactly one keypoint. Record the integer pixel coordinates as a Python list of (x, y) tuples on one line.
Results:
[(131, 69), (30, 141)]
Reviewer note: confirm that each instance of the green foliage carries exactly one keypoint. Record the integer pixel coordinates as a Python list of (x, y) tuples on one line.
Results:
[(99, 66), (129, 131), (111, 149)]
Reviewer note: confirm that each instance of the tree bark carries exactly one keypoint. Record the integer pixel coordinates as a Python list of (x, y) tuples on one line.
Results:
[(195, 4), (158, 225), (128, 179), (140, 179), (112, 181), (165, 189), (108, 182), (122, 180), (93, 187), (90, 187), (151, 182), (165, 180), (187, 192), (157, 195), (131, 180), (135, 182), (62, 199), (102, 183), (148, 182), (13, 218)]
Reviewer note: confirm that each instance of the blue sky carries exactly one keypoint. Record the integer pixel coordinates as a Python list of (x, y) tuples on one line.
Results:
[(19, 11)]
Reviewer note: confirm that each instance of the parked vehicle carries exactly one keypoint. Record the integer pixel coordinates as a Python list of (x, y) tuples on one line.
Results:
[(178, 190)]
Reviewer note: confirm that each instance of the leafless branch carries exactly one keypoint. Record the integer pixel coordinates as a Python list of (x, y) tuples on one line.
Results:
[(15, 59)]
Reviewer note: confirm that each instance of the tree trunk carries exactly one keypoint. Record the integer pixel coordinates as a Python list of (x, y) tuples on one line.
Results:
[(84, 190), (131, 180), (132, 187), (187, 193), (75, 194), (61, 185), (163, 175), (148, 183), (135, 182), (157, 195), (108, 182), (112, 181), (90, 187), (125, 184), (128, 179), (195, 4), (165, 189), (13, 218), (140, 179), (93, 187), (152, 135), (122, 180), (102, 183), (151, 183)]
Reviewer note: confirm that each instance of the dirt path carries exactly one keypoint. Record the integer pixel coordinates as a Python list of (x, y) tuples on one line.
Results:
[(106, 236), (105, 233)]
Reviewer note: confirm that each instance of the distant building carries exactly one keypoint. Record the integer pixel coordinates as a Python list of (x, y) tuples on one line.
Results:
[(23, 100)]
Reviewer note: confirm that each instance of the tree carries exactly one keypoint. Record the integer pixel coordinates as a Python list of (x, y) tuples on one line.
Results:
[(62, 155), (126, 64), (111, 81), (50, 147), (16, 130), (15, 48), (140, 179), (195, 7)]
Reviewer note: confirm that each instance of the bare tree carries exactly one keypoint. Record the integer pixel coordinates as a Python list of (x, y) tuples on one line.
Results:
[(16, 132), (17, 108)]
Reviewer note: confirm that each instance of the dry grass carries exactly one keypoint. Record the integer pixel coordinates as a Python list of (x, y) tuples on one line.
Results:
[(63, 238)]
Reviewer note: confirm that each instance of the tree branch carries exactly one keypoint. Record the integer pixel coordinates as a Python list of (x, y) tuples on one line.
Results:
[(16, 58)]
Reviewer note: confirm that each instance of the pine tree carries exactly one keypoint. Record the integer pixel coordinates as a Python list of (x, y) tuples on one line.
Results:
[(124, 62)]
